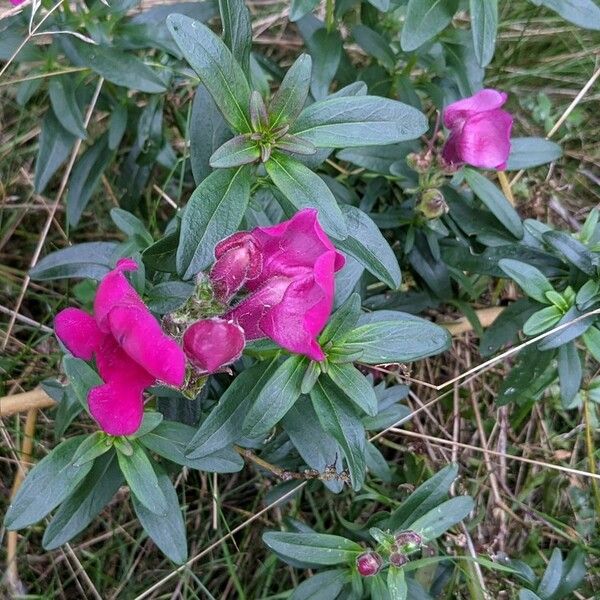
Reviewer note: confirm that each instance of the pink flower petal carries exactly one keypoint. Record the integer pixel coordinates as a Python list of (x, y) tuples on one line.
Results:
[(118, 407), (484, 141), (239, 259), (78, 331), (483, 101), (142, 338), (211, 344), (292, 247)]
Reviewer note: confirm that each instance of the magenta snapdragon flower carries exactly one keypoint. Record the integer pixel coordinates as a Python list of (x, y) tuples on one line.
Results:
[(131, 350), (16, 2), (288, 271), (479, 131)]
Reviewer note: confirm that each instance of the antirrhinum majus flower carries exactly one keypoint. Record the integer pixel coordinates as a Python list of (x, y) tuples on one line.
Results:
[(369, 563), (479, 131), (131, 350)]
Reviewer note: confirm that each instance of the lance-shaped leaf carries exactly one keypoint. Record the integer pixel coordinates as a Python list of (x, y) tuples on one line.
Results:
[(239, 150), (338, 418), (389, 336), (528, 152), (315, 548), (355, 385), (366, 243), (276, 397), (295, 145), (305, 189), (82, 506), (214, 211), (531, 280), (217, 68), (288, 101), (51, 481), (484, 26), (343, 122), (424, 20), (237, 30), (168, 530), (65, 106), (584, 13)]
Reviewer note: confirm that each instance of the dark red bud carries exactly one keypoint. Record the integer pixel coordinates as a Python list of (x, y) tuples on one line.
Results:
[(408, 537), (369, 564), (398, 559)]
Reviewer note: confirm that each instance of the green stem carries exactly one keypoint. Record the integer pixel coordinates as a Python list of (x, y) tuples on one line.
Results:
[(591, 451), (329, 20)]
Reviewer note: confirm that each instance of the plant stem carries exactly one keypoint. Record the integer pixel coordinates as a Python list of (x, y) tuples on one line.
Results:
[(591, 451)]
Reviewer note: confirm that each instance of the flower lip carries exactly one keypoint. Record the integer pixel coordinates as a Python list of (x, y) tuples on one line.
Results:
[(130, 348)]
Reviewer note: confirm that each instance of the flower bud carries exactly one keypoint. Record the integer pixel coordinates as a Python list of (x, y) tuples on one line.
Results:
[(405, 538), (369, 563), (398, 559), (432, 204), (421, 163), (239, 260), (211, 344)]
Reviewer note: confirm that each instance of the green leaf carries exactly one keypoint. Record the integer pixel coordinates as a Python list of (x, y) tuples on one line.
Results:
[(432, 524), (299, 8), (495, 200), (426, 497), (237, 30), (375, 45), (168, 530), (130, 225), (217, 68), (396, 584), (81, 507), (366, 243), (326, 50), (355, 385), (114, 65), (569, 333), (117, 127), (239, 150), (574, 251), (90, 260), (531, 280), (150, 421), (85, 178), (343, 122), (583, 13), (342, 321), (315, 548), (54, 147), (552, 575), (81, 376), (168, 296), (224, 424), (64, 104), (338, 418), (214, 211), (591, 339), (162, 254), (321, 586), (526, 378), (170, 440), (395, 337), (528, 595), (528, 152), (142, 479), (293, 144), (288, 101), (52, 480), (542, 320), (207, 131), (305, 189), (424, 20), (276, 397), (484, 27), (95, 445), (570, 373)]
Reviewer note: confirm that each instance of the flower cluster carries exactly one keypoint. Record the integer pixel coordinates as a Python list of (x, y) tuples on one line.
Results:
[(287, 272)]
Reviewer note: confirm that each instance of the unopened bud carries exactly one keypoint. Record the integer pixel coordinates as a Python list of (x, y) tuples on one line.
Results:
[(211, 344), (369, 563), (406, 538), (398, 559), (239, 259), (432, 204), (419, 162)]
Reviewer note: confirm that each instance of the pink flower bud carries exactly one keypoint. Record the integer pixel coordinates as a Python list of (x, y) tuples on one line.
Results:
[(239, 260), (211, 344), (369, 563), (398, 559), (405, 538), (479, 131)]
